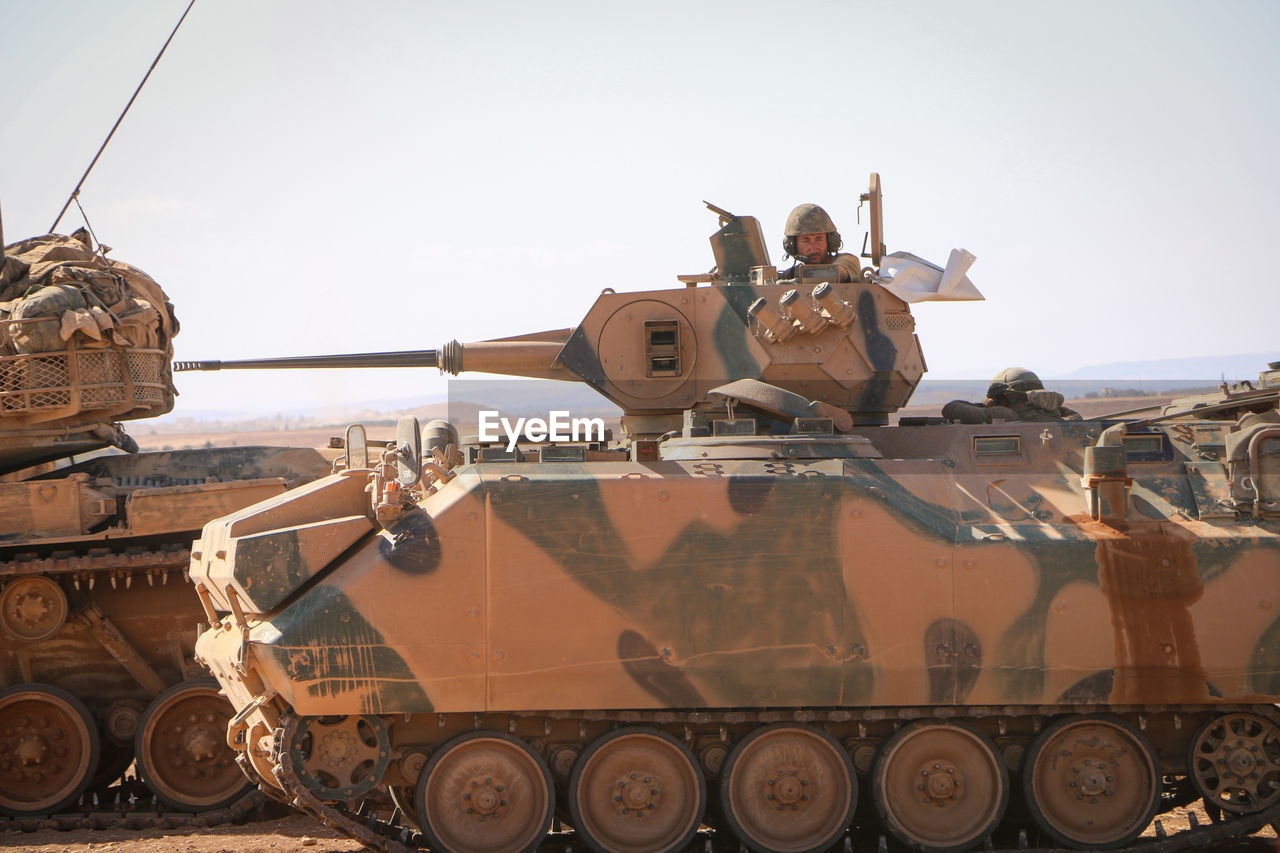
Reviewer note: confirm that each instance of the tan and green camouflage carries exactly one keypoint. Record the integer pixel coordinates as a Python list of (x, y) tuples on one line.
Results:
[(880, 613), (812, 574)]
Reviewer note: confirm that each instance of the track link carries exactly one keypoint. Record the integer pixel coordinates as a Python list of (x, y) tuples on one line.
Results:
[(127, 816)]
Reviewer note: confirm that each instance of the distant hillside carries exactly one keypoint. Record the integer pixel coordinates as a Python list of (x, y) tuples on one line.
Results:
[(1213, 369), (1172, 377)]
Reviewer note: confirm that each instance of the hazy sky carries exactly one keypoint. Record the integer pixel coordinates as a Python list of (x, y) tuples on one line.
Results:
[(313, 177)]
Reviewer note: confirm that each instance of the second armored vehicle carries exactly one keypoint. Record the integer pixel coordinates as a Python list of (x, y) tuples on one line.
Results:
[(97, 621), (765, 610)]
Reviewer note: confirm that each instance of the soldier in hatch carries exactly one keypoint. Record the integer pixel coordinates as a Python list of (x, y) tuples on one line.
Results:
[(811, 238), (1015, 394)]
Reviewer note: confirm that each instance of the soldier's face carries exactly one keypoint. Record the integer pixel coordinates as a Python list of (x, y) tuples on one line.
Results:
[(812, 247)]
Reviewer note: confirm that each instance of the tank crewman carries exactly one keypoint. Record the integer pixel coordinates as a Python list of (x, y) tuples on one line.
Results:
[(811, 238), (1015, 394)]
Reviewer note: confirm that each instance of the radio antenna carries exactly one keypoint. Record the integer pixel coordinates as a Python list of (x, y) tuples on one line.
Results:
[(102, 148)]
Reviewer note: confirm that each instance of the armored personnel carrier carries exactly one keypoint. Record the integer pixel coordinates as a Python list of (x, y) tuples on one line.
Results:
[(97, 621), (764, 610)]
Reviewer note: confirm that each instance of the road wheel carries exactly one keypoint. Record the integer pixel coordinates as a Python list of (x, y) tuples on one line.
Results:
[(1091, 782), (49, 749), (181, 748), (788, 789), (939, 787), (485, 792), (637, 790)]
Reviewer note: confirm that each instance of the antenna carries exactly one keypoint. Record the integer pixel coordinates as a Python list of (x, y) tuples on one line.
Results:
[(103, 147)]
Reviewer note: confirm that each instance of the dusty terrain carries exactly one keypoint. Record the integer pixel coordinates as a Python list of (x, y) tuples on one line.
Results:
[(286, 835), (302, 835)]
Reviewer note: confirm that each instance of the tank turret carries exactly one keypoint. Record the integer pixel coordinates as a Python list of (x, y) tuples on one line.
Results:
[(85, 342), (850, 344)]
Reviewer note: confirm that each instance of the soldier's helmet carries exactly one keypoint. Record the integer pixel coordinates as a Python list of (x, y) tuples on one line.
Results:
[(1014, 379), (809, 219)]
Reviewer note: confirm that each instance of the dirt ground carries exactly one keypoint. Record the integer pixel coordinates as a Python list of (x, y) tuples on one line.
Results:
[(302, 835), (286, 835)]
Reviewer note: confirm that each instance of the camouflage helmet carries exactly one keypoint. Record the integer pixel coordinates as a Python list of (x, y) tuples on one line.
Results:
[(809, 219), (1014, 379)]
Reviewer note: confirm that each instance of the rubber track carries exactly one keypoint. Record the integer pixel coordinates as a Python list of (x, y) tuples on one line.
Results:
[(127, 818), (128, 562), (379, 835), (122, 560)]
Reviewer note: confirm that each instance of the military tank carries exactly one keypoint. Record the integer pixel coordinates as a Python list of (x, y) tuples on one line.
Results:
[(764, 611), (97, 621)]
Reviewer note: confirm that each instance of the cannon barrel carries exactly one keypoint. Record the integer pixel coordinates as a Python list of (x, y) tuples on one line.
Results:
[(530, 358), (406, 358)]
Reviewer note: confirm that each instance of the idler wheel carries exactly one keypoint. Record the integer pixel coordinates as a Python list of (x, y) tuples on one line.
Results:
[(1234, 762), (788, 788), (48, 749), (32, 608), (485, 792), (1091, 782), (939, 786), (182, 752), (637, 790)]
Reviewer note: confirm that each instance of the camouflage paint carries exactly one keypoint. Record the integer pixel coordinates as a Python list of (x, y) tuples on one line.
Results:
[(325, 648), (278, 564), (758, 606), (881, 353), (727, 338), (713, 594), (867, 367), (580, 358)]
